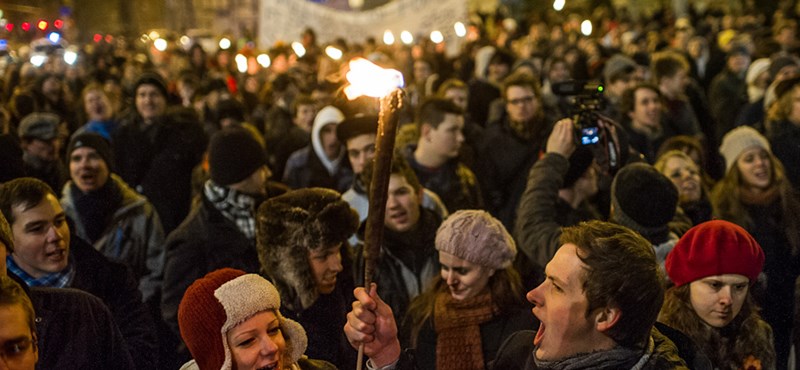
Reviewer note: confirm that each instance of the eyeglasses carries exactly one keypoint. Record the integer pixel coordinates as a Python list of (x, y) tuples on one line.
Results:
[(522, 100), (13, 352)]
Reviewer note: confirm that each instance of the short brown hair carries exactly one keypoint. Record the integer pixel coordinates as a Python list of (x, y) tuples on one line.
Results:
[(27, 191), (621, 272), (667, 64), (11, 293), (399, 167), (521, 80), (628, 101)]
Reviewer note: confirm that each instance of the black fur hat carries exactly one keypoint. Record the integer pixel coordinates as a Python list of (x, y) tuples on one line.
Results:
[(291, 225)]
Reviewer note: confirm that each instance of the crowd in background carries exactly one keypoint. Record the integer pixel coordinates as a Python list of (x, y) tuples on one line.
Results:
[(174, 164)]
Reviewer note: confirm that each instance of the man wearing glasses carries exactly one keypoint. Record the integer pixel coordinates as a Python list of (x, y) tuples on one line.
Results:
[(511, 146)]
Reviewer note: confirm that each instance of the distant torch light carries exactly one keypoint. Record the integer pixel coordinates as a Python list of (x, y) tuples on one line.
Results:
[(299, 49), (437, 37), (54, 37), (388, 37), (154, 35), (185, 40), (586, 27), (160, 44), (38, 60), (333, 53), (241, 63), (144, 38), (460, 28), (70, 57), (406, 37), (264, 60), (224, 43), (558, 5)]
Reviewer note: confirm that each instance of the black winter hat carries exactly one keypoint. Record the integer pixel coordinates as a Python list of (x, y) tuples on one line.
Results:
[(230, 108), (94, 141), (357, 125), (644, 200), (151, 78), (233, 155)]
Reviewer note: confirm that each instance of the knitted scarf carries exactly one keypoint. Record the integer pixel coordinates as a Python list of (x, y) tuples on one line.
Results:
[(762, 198), (615, 358), (235, 206), (458, 332), (96, 208)]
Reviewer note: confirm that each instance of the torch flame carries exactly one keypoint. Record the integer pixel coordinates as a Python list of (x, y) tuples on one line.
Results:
[(371, 80)]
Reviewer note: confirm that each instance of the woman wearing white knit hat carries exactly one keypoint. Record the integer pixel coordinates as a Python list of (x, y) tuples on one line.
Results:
[(756, 195)]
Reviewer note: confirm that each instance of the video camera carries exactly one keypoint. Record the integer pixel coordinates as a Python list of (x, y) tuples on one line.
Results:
[(591, 127)]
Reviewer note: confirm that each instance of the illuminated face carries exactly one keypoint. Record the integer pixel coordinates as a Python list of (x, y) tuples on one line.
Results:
[(305, 117), (718, 299), (521, 103), (646, 110), (464, 279), (559, 72), (17, 348), (686, 177), (422, 70), (446, 139), (87, 169), (326, 264), (257, 343), (560, 305), (330, 144), (402, 204), (97, 105), (361, 150), (149, 102), (755, 168), (41, 237)]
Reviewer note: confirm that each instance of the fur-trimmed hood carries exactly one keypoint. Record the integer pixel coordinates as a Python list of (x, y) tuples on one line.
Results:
[(291, 225)]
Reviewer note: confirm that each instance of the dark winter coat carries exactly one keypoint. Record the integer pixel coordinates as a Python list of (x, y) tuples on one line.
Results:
[(115, 285), (785, 142), (541, 216), (204, 242), (75, 330), (134, 236), (398, 283), (453, 182), (157, 161), (504, 161)]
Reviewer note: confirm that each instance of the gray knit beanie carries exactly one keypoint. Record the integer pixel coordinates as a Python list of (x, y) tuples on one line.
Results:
[(738, 140), (477, 237)]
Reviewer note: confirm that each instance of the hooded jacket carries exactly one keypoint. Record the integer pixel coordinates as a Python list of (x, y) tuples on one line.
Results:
[(310, 167)]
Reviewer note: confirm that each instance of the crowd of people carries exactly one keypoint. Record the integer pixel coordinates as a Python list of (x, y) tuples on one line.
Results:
[(161, 210)]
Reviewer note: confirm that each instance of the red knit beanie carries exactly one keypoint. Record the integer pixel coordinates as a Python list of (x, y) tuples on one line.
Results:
[(219, 301), (714, 248)]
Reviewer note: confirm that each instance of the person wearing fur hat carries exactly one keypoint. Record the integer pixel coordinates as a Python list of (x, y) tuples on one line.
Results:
[(321, 164), (557, 195), (221, 230), (156, 150), (476, 300), (713, 267), (783, 128), (231, 320), (119, 222), (302, 246), (756, 195)]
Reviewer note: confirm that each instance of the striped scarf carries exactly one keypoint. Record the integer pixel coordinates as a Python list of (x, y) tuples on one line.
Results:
[(235, 206)]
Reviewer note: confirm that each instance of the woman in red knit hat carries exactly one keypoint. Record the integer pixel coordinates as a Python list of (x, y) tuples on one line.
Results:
[(713, 267), (230, 320)]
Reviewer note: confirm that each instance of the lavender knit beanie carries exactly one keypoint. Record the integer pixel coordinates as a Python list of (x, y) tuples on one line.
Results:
[(477, 237)]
